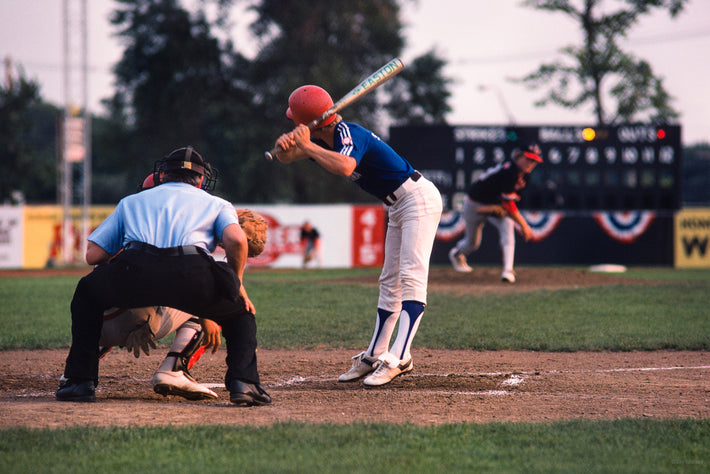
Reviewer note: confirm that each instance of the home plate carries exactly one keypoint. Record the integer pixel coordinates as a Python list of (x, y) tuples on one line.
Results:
[(513, 380)]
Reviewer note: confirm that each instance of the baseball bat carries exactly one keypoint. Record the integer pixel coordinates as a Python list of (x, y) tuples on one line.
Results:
[(371, 82)]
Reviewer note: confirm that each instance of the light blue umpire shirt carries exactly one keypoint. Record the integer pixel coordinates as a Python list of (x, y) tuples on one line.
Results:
[(170, 215)]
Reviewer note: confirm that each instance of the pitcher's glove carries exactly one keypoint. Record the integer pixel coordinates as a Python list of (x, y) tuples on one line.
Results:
[(254, 227), (492, 210)]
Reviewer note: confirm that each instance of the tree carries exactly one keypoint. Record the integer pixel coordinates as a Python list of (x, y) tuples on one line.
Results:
[(28, 153), (599, 69), (176, 84), (421, 94)]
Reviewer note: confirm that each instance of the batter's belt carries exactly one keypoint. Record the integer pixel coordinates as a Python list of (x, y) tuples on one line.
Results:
[(405, 187)]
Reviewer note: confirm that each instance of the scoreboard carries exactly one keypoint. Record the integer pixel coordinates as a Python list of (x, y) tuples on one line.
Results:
[(626, 167)]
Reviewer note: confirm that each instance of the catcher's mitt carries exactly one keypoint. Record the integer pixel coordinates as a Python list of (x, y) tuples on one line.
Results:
[(130, 328), (254, 227)]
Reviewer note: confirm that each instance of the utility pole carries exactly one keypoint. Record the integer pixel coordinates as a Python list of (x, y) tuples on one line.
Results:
[(76, 129)]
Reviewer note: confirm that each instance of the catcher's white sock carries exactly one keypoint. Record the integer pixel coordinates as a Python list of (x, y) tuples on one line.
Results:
[(183, 336)]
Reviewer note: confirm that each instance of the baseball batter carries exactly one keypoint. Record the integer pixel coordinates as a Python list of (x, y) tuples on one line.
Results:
[(414, 208), (492, 198)]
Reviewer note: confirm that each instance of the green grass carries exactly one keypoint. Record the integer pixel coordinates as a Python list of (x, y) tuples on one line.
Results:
[(576, 446), (298, 309), (35, 311)]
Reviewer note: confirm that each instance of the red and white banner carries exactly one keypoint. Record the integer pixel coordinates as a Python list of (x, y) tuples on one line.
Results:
[(368, 236), (349, 235)]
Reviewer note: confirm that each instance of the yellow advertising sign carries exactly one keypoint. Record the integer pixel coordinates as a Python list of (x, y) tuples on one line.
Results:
[(43, 233), (692, 238)]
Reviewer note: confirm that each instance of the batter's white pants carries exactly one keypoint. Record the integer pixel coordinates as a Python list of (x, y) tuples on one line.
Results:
[(413, 220)]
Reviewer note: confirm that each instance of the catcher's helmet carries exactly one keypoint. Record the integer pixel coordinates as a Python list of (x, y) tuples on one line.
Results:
[(189, 161), (307, 103), (148, 182)]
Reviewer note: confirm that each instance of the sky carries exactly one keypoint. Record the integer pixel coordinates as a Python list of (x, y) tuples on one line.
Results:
[(486, 43)]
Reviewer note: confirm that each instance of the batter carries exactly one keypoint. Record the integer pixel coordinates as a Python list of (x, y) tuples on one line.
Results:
[(414, 208)]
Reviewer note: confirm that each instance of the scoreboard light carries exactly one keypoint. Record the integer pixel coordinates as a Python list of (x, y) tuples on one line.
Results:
[(588, 134)]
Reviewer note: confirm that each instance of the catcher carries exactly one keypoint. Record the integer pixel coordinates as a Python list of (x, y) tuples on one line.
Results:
[(137, 329)]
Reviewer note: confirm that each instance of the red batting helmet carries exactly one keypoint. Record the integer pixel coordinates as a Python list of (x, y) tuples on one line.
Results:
[(307, 103)]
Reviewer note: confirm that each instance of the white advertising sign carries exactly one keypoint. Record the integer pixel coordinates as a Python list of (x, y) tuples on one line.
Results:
[(11, 236)]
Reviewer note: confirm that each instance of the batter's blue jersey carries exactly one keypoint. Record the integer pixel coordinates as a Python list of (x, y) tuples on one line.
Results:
[(380, 170), (169, 215)]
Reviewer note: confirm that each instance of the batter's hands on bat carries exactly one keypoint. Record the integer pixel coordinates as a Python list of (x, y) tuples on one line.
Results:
[(285, 142), (212, 334), (301, 136), (289, 147)]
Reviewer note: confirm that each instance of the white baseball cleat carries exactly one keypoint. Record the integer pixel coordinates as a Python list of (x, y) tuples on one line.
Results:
[(362, 365), (181, 383), (384, 373), (459, 262), (508, 276)]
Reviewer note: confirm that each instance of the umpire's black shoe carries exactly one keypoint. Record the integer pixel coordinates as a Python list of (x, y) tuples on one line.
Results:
[(76, 392), (248, 394)]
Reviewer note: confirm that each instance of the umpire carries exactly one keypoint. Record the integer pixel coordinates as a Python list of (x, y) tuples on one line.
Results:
[(161, 239)]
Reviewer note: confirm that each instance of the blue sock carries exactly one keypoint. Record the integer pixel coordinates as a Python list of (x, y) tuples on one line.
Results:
[(414, 309)]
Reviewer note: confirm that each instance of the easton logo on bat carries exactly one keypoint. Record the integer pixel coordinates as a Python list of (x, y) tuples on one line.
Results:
[(380, 74)]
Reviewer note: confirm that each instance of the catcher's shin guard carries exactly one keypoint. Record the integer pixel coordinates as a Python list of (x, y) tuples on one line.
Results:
[(185, 359)]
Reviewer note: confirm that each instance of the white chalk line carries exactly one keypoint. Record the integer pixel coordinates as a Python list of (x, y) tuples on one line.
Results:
[(514, 378)]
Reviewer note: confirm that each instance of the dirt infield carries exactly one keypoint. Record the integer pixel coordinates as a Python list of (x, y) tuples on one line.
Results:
[(446, 386)]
